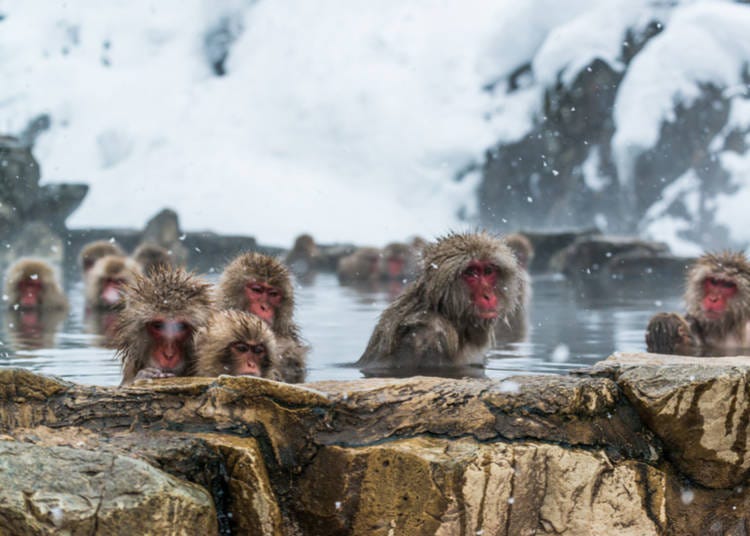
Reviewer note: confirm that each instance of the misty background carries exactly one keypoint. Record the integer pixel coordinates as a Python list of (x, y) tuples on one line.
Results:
[(369, 122)]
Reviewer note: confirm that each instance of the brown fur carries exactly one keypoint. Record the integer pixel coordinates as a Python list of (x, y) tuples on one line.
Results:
[(293, 359), (110, 266), (254, 266), (521, 247), (150, 255), (53, 298), (225, 328), (671, 333), (93, 251), (166, 292), (362, 265), (433, 323), (304, 256), (409, 255)]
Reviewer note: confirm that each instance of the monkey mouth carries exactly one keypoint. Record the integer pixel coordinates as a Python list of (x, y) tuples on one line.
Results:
[(487, 314)]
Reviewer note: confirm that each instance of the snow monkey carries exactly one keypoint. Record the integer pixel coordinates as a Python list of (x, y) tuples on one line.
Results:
[(446, 317), (361, 266), (514, 328), (155, 332), (261, 285), (30, 284), (106, 279), (521, 247), (239, 344), (93, 251), (717, 295), (400, 262), (148, 255)]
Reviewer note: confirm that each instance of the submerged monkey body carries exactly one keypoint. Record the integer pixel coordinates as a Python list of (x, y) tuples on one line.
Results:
[(445, 318)]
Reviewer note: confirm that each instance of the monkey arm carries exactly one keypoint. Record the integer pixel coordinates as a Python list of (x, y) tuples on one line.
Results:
[(670, 333)]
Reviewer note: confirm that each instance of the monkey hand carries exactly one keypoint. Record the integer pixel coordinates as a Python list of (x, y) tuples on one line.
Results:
[(151, 373), (669, 333)]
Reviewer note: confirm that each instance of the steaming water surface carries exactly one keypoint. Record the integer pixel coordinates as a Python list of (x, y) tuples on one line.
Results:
[(569, 329)]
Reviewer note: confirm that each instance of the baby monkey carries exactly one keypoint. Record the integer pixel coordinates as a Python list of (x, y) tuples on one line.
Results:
[(239, 344)]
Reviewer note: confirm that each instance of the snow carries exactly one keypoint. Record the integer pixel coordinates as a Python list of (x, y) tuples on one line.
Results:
[(346, 120)]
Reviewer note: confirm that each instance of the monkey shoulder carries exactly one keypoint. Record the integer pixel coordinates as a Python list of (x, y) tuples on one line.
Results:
[(427, 340), (670, 333)]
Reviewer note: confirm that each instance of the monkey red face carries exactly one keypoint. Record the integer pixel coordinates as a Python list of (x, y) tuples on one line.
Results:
[(263, 300), (30, 292), (481, 278), (247, 358), (169, 338), (716, 295), (395, 267), (111, 290)]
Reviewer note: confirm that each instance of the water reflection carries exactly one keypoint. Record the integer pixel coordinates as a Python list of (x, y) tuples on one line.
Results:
[(568, 329)]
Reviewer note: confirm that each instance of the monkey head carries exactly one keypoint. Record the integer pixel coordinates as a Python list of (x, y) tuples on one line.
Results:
[(472, 278), (93, 251), (106, 280), (30, 284), (260, 285), (237, 343), (521, 247), (156, 328), (717, 292)]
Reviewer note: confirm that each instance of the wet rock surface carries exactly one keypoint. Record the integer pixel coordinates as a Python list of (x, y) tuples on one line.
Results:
[(639, 444)]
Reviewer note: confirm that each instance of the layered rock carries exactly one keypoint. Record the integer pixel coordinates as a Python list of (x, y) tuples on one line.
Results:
[(641, 444)]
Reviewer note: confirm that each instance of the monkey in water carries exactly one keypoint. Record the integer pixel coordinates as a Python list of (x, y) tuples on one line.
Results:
[(148, 255), (445, 318), (93, 251), (155, 331), (515, 327), (239, 344), (717, 295), (36, 303), (106, 280), (261, 285)]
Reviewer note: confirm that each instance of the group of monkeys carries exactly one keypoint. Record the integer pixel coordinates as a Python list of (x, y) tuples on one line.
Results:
[(467, 288)]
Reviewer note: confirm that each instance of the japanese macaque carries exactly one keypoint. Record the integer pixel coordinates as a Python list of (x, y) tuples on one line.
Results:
[(261, 285), (106, 279), (149, 256), (361, 266), (446, 317), (36, 302), (521, 247), (155, 332), (93, 251), (239, 344), (514, 327), (717, 296), (400, 262), (304, 257), (30, 284)]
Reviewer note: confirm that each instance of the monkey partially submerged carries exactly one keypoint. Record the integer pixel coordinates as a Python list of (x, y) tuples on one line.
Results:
[(446, 317), (238, 344), (717, 296), (31, 284), (155, 333), (261, 285), (106, 280), (93, 251)]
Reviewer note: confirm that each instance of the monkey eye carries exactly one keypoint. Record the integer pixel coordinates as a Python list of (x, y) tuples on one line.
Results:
[(257, 349), (471, 271), (256, 288), (241, 347), (490, 269), (274, 293), (157, 325)]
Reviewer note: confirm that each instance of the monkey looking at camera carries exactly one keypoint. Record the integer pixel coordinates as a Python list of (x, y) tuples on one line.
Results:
[(446, 317)]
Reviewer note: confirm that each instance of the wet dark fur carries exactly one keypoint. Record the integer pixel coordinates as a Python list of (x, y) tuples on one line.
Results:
[(432, 324)]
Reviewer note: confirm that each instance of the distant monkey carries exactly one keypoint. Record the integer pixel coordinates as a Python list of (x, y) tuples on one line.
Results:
[(400, 262), (261, 285), (31, 284), (37, 304), (446, 317), (237, 343), (155, 332), (93, 251), (522, 248), (361, 266), (304, 257), (514, 327), (106, 279), (717, 295), (150, 255)]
